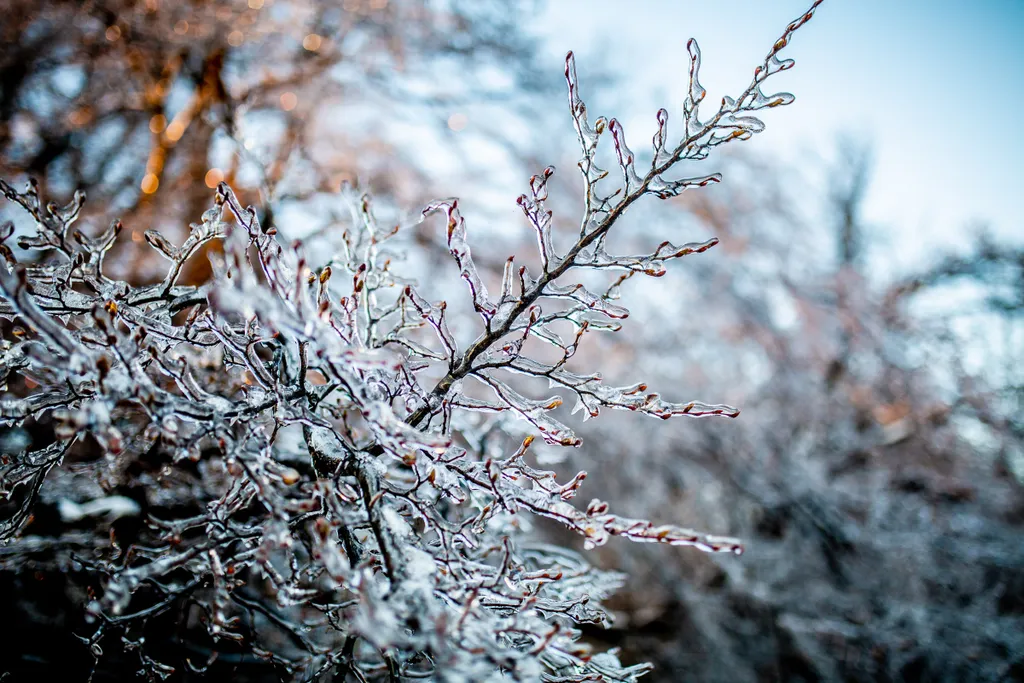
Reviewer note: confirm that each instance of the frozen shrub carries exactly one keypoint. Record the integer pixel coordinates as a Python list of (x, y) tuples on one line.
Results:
[(323, 475)]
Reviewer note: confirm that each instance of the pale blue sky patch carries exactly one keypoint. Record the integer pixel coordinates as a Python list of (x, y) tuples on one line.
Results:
[(934, 86)]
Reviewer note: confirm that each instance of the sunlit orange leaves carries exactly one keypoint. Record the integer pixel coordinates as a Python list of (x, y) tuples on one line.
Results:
[(312, 42), (150, 183), (175, 130), (213, 177)]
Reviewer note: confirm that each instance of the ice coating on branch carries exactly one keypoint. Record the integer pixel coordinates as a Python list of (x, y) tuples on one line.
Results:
[(660, 140), (584, 296), (695, 93), (534, 411), (540, 219), (588, 135), (458, 245), (596, 524), (624, 155), (673, 188)]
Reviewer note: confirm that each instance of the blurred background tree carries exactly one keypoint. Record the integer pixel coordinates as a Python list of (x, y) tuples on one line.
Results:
[(876, 468), (149, 104)]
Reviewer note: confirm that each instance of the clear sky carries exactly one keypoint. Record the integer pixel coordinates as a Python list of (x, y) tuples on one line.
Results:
[(936, 87)]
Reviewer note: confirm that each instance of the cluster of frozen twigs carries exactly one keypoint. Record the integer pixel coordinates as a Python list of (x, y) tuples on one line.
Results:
[(329, 482)]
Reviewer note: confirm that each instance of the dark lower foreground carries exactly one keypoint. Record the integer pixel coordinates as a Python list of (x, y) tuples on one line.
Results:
[(759, 643), (924, 581), (717, 633), (44, 612)]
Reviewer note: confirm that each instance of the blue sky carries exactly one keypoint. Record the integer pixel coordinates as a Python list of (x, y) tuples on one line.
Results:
[(936, 87)]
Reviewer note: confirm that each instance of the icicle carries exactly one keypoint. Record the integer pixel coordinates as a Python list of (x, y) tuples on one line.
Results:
[(695, 94), (588, 136), (534, 412), (592, 301), (540, 218), (459, 248), (625, 156), (661, 154), (673, 188)]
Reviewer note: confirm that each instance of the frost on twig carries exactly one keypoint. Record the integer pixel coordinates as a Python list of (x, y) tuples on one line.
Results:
[(327, 466)]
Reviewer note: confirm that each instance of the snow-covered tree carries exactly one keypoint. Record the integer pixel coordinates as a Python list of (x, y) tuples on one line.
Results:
[(306, 462)]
